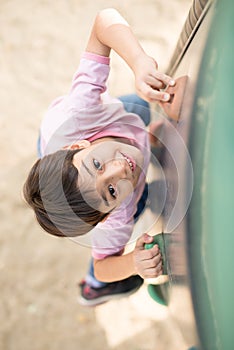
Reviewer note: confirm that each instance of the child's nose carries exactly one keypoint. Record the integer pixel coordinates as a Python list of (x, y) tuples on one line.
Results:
[(116, 169)]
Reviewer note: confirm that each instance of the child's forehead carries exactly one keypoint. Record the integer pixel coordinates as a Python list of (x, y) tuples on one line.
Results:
[(104, 148)]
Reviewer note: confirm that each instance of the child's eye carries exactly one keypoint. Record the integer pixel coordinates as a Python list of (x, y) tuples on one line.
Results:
[(97, 164), (112, 191)]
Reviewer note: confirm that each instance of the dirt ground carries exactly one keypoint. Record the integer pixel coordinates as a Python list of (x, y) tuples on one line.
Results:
[(40, 45)]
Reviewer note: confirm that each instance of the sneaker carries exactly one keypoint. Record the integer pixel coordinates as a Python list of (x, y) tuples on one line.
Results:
[(93, 296)]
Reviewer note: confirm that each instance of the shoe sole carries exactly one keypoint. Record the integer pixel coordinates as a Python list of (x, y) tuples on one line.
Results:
[(84, 302)]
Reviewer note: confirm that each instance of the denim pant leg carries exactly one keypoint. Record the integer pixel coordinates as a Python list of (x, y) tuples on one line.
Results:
[(132, 104), (91, 279)]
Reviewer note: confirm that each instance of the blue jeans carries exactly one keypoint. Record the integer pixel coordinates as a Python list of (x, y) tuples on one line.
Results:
[(132, 104)]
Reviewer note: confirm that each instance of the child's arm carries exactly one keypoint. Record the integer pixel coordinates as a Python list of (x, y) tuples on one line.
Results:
[(146, 263), (111, 31)]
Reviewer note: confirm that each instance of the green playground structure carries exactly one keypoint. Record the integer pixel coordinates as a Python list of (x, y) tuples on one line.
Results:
[(198, 249)]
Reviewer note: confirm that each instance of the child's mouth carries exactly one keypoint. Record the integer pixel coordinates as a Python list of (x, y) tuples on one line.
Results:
[(130, 162)]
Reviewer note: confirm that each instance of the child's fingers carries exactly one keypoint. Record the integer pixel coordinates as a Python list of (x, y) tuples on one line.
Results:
[(149, 254), (155, 83), (160, 96), (154, 262), (152, 95), (153, 272), (140, 244), (164, 78)]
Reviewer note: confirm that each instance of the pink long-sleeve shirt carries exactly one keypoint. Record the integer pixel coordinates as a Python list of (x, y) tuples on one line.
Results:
[(88, 112)]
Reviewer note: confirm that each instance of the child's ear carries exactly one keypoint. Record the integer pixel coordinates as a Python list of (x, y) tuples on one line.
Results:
[(81, 144)]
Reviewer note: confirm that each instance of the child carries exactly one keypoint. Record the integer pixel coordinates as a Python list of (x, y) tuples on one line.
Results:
[(95, 156)]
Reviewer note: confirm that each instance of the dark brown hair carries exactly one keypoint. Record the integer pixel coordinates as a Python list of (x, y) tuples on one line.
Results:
[(52, 191)]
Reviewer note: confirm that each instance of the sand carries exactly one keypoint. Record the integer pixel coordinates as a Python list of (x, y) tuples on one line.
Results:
[(40, 45)]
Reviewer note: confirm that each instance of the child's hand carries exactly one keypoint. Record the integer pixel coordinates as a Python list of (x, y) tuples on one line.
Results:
[(148, 262), (149, 81)]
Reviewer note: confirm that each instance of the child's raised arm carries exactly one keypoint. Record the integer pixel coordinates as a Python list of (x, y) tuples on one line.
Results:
[(111, 31)]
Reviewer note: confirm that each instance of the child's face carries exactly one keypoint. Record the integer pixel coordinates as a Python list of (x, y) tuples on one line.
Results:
[(109, 169)]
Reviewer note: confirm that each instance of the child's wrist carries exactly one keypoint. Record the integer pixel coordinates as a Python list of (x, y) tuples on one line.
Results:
[(133, 263), (137, 60)]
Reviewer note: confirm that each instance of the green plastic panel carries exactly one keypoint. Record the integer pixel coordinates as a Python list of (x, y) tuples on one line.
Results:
[(211, 214)]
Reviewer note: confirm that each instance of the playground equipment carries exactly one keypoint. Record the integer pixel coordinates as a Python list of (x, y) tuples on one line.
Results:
[(197, 239)]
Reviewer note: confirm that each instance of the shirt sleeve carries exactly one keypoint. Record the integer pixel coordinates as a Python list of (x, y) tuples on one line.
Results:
[(68, 117), (111, 236), (89, 82)]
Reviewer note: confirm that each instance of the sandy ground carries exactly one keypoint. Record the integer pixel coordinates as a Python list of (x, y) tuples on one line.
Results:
[(40, 45)]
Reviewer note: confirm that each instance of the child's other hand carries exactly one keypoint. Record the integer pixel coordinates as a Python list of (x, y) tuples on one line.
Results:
[(147, 262), (149, 81)]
